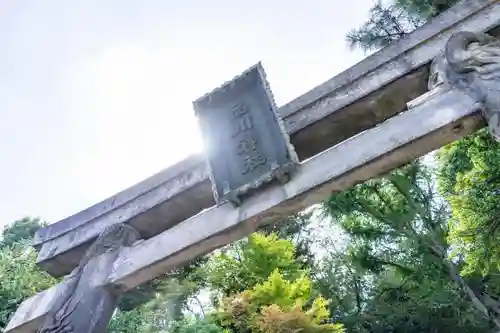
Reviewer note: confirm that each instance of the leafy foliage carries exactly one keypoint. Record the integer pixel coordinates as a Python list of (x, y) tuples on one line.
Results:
[(277, 305), (23, 229), (167, 300), (390, 22), (193, 325), (425, 9), (276, 320), (20, 278), (469, 178), (250, 262), (134, 321), (19, 274), (385, 25), (263, 269), (398, 250), (295, 229)]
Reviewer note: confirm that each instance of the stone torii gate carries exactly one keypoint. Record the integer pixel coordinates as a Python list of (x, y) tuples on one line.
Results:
[(377, 115)]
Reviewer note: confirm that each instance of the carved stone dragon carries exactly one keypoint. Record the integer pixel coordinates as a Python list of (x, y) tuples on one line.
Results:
[(471, 63)]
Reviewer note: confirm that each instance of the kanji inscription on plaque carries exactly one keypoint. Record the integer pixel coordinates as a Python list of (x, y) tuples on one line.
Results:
[(246, 146), (251, 157)]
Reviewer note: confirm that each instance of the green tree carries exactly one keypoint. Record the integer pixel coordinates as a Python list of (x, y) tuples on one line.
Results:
[(165, 300), (171, 283), (398, 233), (160, 304), (469, 178), (338, 279), (21, 278), (143, 309), (390, 22), (467, 173), (197, 325), (23, 229), (263, 288), (249, 262), (277, 305), (295, 229)]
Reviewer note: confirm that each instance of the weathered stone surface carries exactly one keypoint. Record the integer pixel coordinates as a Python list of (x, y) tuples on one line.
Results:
[(355, 100), (85, 303), (473, 66), (246, 145), (447, 116), (31, 313), (184, 172)]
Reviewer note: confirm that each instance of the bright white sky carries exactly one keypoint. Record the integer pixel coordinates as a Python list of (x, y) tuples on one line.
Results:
[(96, 95)]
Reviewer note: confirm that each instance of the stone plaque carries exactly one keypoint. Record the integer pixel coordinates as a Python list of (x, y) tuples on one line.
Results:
[(246, 145)]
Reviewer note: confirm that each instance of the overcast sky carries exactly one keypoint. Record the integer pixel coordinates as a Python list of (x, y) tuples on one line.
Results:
[(96, 95)]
